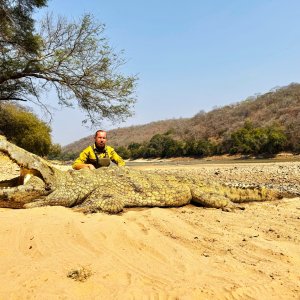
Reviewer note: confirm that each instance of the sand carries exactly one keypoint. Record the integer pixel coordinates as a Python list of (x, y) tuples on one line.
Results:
[(152, 253)]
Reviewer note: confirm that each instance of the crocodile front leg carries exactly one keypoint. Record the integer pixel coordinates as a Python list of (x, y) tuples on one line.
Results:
[(99, 200)]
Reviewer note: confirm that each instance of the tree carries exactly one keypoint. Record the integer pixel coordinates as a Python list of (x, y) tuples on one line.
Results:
[(73, 58), (162, 145), (199, 148), (24, 129), (123, 152), (135, 150), (17, 25), (277, 140), (257, 140), (55, 152)]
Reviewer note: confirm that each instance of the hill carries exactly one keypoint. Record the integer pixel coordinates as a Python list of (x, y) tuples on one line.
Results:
[(280, 106), (132, 134)]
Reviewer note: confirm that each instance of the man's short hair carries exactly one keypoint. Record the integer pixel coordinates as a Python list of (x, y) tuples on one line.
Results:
[(100, 130)]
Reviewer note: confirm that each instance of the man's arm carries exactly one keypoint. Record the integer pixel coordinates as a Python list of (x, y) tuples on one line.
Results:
[(79, 166), (80, 162), (116, 158)]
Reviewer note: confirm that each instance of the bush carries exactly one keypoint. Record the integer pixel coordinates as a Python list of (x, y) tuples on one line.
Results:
[(123, 152), (135, 150), (199, 148), (162, 145), (23, 128), (257, 140), (55, 152)]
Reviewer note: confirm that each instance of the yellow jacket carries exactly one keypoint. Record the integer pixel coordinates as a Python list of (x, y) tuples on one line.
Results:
[(88, 156)]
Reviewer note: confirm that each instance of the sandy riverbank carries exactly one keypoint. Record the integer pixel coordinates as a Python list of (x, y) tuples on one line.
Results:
[(153, 253)]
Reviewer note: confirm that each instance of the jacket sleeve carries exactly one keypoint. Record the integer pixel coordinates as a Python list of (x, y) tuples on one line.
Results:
[(115, 157), (83, 157)]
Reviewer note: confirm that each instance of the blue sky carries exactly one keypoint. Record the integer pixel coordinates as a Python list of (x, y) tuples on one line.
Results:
[(190, 55)]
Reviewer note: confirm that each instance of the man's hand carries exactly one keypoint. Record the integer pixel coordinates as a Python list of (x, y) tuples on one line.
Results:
[(84, 166), (91, 167)]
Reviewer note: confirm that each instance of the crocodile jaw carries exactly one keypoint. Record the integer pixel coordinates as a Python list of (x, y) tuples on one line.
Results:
[(37, 177), (30, 162), (17, 196)]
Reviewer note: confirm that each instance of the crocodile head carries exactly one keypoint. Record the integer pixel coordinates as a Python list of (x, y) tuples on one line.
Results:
[(36, 176)]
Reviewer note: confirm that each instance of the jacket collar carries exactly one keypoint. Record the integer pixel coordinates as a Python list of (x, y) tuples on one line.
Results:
[(99, 150)]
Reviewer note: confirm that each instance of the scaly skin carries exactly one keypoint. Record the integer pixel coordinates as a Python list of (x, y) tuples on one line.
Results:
[(112, 189)]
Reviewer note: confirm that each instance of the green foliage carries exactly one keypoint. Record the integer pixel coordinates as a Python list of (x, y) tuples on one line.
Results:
[(170, 131), (55, 151), (199, 148), (135, 150), (72, 58), (68, 156), (24, 129), (155, 147), (160, 145), (246, 140), (280, 106), (257, 140), (17, 25), (163, 146), (276, 140), (123, 152)]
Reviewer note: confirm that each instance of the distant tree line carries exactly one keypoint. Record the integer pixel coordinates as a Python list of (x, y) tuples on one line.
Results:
[(23, 128), (256, 140), (248, 139)]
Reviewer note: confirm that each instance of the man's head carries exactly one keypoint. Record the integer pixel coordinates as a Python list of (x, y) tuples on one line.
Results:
[(100, 138)]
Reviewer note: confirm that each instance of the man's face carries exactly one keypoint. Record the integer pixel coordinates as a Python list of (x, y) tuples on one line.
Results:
[(100, 139)]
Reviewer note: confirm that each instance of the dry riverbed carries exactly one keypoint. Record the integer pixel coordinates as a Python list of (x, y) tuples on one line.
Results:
[(159, 253)]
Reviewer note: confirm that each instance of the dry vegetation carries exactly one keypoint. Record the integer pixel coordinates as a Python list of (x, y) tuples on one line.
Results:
[(280, 106)]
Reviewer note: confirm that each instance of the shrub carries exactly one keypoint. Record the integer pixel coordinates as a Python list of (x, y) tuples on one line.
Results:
[(25, 129)]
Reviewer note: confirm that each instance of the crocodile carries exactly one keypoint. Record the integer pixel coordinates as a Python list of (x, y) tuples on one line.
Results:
[(111, 189)]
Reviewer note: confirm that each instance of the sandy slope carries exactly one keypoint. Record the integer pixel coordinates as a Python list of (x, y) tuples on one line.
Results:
[(152, 253)]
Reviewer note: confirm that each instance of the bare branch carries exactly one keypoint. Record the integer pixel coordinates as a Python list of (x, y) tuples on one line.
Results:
[(76, 60)]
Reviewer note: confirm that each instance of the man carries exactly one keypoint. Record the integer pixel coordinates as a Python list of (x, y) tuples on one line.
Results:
[(98, 155)]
